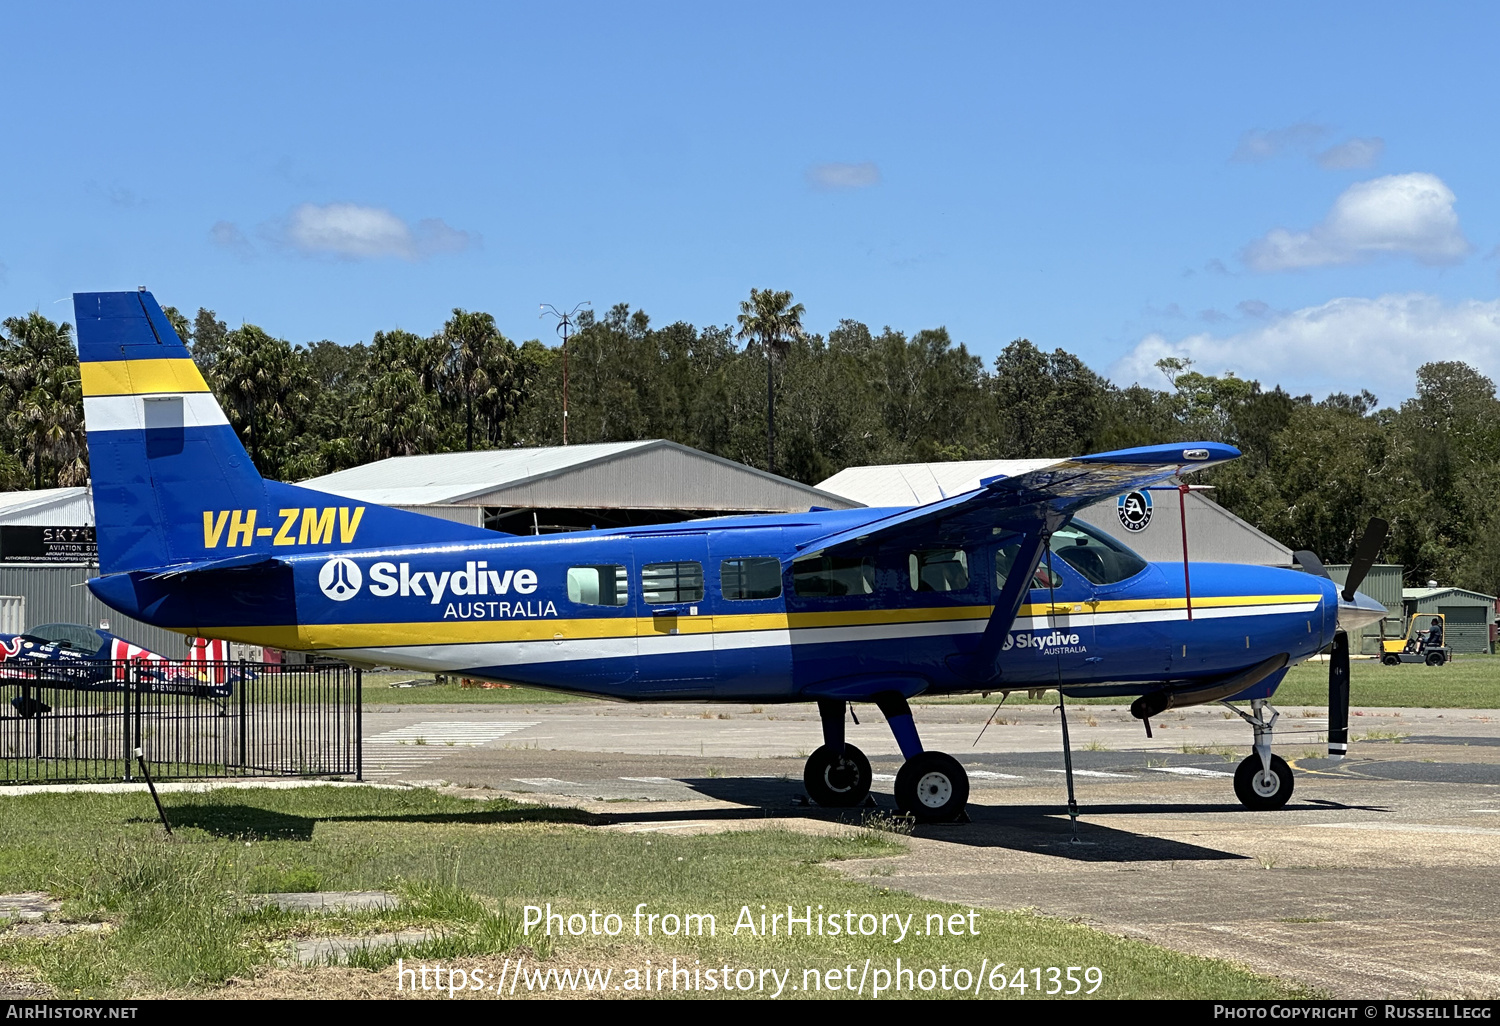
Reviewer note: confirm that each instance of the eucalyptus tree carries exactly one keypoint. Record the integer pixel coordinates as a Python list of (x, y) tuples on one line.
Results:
[(771, 320)]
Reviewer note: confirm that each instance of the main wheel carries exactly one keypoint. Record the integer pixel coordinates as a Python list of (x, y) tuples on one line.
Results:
[(1436, 659), (837, 781), (933, 787), (1257, 790), (1391, 659)]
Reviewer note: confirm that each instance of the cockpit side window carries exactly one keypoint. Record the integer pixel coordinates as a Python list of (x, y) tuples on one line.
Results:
[(1095, 555), (70, 635)]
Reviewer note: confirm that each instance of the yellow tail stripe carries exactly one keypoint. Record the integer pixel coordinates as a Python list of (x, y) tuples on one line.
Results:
[(140, 377)]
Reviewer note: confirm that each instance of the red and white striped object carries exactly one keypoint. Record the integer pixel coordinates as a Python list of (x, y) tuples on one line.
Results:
[(200, 652)]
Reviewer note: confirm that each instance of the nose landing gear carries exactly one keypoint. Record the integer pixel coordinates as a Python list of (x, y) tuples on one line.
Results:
[(1263, 781)]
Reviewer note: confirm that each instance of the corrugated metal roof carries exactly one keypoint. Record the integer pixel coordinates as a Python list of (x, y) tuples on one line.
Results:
[(1422, 594), (449, 477), (48, 507), (915, 484), (651, 474)]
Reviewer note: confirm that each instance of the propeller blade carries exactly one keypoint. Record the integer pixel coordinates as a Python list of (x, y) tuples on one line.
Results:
[(1310, 562), (1364, 555), (1338, 697)]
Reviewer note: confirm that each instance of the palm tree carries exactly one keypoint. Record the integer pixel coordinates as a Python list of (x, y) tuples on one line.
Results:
[(770, 319), (44, 396), (472, 340)]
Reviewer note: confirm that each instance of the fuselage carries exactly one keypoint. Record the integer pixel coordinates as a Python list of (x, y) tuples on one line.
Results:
[(729, 609)]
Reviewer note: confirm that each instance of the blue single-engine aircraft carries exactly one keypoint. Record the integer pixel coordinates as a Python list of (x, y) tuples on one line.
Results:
[(995, 590)]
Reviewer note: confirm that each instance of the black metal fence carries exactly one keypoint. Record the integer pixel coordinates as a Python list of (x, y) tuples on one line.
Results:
[(85, 721)]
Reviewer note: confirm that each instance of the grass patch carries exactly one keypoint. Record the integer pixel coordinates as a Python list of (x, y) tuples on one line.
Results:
[(183, 915), (1469, 682)]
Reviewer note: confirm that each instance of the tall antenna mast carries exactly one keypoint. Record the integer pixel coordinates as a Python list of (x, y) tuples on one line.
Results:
[(565, 325)]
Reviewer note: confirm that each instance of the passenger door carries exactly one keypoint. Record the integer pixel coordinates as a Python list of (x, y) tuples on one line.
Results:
[(674, 624), (752, 643)]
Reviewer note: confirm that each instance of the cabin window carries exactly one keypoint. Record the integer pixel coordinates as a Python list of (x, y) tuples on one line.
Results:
[(1005, 558), (665, 584), (1095, 555), (833, 575), (756, 577), (603, 585), (938, 570)]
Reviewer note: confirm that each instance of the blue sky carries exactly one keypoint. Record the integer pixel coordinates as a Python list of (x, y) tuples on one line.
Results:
[(1301, 193)]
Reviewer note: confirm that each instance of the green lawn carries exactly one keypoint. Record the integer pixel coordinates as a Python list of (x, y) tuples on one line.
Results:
[(183, 920), (1469, 682)]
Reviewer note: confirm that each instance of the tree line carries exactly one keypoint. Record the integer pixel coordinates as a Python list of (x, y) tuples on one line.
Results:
[(1314, 470)]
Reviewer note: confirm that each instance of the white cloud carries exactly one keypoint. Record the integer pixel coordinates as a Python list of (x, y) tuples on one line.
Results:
[(1257, 145), (1341, 346), (353, 232), (1352, 153), (1411, 214), (843, 176)]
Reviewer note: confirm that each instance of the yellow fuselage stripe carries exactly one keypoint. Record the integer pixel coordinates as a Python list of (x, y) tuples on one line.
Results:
[(140, 377), (460, 632)]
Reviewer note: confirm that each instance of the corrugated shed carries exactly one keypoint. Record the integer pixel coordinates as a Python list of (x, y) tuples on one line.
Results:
[(1467, 614), (654, 474), (48, 507), (58, 594), (1383, 584)]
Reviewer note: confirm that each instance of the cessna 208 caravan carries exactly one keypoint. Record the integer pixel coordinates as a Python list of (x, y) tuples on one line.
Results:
[(998, 589)]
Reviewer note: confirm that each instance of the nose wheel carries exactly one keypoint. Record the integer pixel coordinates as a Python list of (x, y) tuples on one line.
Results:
[(932, 787), (1260, 789)]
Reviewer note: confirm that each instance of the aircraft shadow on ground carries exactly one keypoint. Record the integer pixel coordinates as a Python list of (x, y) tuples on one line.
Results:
[(249, 823), (1038, 828)]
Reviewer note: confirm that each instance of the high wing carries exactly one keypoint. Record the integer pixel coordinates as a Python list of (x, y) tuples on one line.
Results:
[(1046, 496)]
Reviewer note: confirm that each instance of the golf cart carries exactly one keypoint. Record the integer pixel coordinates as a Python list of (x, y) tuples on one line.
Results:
[(1414, 647)]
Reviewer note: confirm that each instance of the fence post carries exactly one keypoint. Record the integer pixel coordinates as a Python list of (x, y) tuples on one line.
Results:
[(125, 729), (359, 724), (244, 685)]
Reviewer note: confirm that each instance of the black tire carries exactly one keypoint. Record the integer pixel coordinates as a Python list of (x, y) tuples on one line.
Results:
[(837, 782), (1436, 659), (1260, 795), (932, 787), (1391, 659)]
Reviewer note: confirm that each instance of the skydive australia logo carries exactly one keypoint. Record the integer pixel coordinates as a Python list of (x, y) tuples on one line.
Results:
[(1053, 643), (341, 579)]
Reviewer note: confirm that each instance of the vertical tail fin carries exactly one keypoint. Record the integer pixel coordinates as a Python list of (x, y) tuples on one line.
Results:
[(159, 444), (172, 483)]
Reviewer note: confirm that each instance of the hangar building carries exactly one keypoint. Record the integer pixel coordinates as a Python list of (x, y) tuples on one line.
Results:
[(575, 487)]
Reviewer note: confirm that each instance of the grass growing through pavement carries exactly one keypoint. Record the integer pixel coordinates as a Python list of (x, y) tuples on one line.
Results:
[(184, 917), (378, 691)]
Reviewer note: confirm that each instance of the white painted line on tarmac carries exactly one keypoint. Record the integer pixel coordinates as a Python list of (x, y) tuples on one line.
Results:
[(652, 780), (1094, 773), (1409, 828), (545, 782), (991, 775), (1190, 771)]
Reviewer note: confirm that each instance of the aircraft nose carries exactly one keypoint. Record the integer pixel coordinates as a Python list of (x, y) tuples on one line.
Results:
[(1361, 610)]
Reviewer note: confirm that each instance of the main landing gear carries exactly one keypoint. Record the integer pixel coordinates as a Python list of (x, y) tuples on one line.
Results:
[(1263, 781), (931, 786)]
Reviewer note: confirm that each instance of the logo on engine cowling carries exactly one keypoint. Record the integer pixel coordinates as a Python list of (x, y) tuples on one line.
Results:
[(340, 579)]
